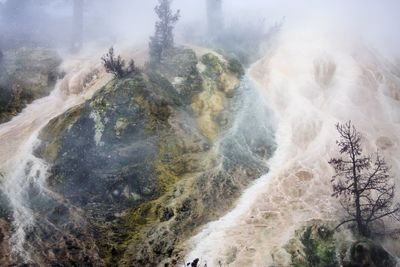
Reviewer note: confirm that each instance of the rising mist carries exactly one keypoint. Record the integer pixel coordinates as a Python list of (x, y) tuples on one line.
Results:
[(214, 153)]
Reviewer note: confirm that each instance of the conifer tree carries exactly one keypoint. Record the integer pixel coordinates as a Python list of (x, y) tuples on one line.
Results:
[(162, 42)]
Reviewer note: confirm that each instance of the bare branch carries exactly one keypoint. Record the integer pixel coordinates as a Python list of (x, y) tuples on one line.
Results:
[(344, 222), (363, 183)]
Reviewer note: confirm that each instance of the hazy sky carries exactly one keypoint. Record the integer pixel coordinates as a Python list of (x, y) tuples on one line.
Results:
[(377, 21)]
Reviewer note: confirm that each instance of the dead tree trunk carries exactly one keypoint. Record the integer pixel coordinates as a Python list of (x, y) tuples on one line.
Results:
[(365, 188)]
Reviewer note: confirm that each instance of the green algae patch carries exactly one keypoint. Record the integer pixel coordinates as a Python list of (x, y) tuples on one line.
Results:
[(127, 236), (170, 164), (124, 235), (222, 75), (207, 106), (219, 84), (315, 246), (126, 231), (51, 134), (213, 64), (120, 126), (236, 67)]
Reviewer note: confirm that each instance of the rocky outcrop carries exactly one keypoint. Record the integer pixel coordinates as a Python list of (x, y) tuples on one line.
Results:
[(318, 245), (155, 155), (59, 237), (369, 254), (313, 246), (25, 75)]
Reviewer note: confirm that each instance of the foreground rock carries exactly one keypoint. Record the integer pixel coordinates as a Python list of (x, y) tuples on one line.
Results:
[(152, 157), (317, 245), (367, 253)]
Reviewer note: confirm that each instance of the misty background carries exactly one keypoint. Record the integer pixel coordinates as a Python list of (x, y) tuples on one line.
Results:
[(49, 23)]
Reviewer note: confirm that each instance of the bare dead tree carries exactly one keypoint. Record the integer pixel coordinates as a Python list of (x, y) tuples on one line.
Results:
[(362, 182), (116, 65)]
